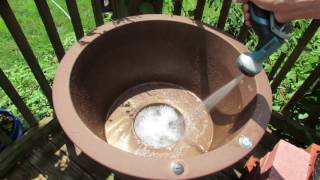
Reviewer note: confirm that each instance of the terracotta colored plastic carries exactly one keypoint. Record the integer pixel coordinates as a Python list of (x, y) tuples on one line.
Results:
[(285, 161), (197, 123), (251, 164), (156, 48), (313, 150)]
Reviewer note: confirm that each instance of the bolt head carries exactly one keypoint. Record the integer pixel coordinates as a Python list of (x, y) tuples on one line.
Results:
[(177, 168), (245, 142)]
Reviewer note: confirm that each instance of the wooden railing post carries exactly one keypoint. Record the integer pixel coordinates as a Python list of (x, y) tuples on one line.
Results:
[(51, 29), (75, 18), (97, 12), (244, 31), (199, 9), (16, 99), (118, 9), (177, 7), (158, 6), (224, 13)]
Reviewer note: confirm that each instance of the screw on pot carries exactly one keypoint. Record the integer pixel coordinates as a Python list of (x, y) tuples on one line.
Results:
[(245, 142), (177, 168)]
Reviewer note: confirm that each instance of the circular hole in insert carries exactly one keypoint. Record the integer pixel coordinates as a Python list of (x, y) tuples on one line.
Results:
[(159, 125)]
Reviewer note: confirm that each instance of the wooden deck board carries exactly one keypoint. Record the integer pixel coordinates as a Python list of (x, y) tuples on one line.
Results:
[(59, 158), (52, 162), (218, 176), (18, 150), (25, 170), (87, 164)]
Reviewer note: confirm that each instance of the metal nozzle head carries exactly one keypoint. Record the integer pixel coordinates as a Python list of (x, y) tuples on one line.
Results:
[(248, 66)]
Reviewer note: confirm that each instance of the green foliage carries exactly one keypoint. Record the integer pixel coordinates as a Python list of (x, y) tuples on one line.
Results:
[(211, 12), (307, 61), (235, 19), (168, 7), (188, 7), (307, 109), (13, 63)]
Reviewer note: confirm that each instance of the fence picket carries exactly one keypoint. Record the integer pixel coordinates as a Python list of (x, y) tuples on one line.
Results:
[(19, 37), (244, 31), (9, 89), (199, 9), (313, 77), (303, 41), (75, 18), (224, 14), (276, 66), (97, 12), (177, 7), (51, 29)]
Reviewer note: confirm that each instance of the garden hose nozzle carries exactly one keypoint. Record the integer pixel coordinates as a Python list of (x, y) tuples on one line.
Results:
[(271, 36)]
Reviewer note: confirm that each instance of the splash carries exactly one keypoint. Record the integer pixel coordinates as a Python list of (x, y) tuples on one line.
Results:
[(159, 125)]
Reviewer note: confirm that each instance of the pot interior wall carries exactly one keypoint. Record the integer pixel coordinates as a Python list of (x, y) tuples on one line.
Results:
[(164, 51)]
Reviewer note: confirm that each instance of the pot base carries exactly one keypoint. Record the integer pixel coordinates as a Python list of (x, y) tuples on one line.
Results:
[(182, 113)]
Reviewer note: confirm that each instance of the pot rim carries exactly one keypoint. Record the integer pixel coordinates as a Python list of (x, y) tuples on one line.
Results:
[(146, 167)]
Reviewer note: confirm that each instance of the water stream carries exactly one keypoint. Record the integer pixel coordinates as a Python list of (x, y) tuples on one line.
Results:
[(213, 99)]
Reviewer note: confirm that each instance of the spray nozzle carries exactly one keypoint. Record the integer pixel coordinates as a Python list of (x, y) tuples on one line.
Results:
[(271, 35)]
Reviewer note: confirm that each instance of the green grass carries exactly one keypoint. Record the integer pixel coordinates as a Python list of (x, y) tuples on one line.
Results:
[(12, 62)]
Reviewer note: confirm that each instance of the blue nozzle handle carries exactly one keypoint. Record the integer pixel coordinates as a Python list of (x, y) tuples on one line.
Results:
[(261, 23), (271, 36)]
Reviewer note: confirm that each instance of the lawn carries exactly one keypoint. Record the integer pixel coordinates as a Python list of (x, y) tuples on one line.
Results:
[(13, 64)]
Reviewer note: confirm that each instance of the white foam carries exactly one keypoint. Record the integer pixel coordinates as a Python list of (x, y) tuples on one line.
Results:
[(159, 126)]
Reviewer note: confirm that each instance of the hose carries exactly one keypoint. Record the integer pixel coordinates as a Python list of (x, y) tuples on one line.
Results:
[(63, 11)]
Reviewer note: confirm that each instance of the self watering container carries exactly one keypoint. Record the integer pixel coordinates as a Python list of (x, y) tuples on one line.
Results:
[(130, 96)]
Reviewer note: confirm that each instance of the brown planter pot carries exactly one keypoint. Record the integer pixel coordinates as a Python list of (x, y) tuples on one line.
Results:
[(122, 54)]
